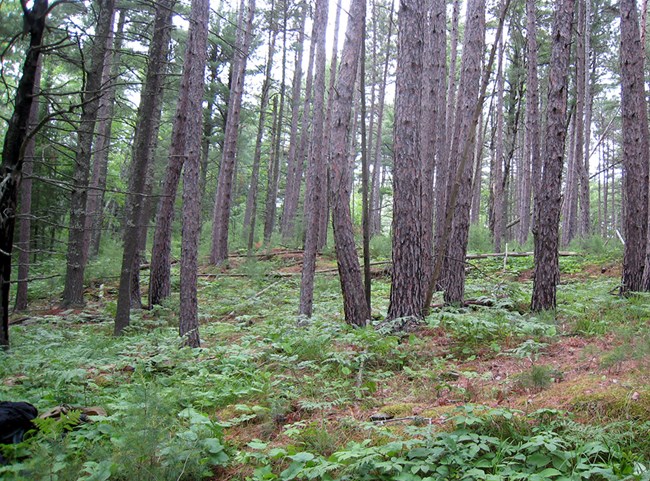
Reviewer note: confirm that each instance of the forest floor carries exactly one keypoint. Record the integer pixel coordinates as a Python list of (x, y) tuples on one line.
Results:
[(267, 397)]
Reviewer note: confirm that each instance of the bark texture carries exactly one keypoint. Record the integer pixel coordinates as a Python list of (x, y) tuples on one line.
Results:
[(547, 213), (13, 155), (76, 263), (146, 132), (464, 131), (159, 283), (634, 111), (197, 48), (532, 160), (406, 296), (95, 201), (355, 305), (223, 197), (24, 232), (294, 158), (315, 174)]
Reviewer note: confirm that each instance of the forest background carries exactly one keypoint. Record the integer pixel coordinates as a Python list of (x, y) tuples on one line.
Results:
[(153, 151)]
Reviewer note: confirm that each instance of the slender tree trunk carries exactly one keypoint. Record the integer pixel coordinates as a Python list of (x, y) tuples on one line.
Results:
[(570, 206), (547, 212), (635, 153), (443, 169), (463, 159), (194, 76), (95, 201), (76, 263), (469, 85), (355, 304), (433, 118), (532, 161), (273, 175), (498, 184), (365, 168), (145, 135), (585, 210), (223, 197), (209, 119), (274, 180), (375, 192), (295, 160), (475, 214), (24, 233), (316, 167), (13, 154), (406, 296), (250, 215), (160, 283)]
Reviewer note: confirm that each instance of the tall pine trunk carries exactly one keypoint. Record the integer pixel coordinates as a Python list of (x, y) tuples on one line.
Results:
[(75, 259), (406, 296), (197, 48), (95, 202), (223, 197), (375, 190), (250, 215), (465, 124), (635, 150), (145, 135), (355, 305), (24, 232), (13, 155), (316, 166), (547, 212), (295, 159)]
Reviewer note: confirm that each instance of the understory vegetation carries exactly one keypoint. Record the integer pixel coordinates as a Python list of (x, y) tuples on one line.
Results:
[(486, 391)]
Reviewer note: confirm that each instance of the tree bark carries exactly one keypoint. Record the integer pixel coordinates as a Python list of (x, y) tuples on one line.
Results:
[(76, 263), (316, 164), (250, 215), (406, 296), (272, 176), (375, 191), (142, 158), (583, 116), (469, 85), (497, 174), (197, 49), (547, 212), (223, 197), (95, 201), (160, 283), (274, 179), (432, 132), (13, 154), (355, 305), (25, 211), (532, 161), (635, 151), (295, 156)]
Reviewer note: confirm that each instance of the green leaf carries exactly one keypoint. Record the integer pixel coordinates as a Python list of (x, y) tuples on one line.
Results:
[(257, 445), (538, 460), (302, 457)]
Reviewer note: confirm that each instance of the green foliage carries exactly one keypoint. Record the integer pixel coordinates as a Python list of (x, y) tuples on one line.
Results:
[(380, 247), (485, 444), (538, 378), (480, 239), (262, 375)]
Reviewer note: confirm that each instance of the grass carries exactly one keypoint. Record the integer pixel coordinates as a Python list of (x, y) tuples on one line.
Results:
[(267, 399)]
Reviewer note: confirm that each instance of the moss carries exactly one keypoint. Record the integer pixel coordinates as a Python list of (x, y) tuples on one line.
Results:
[(399, 410), (438, 411), (618, 404)]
